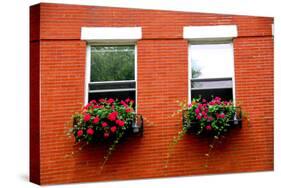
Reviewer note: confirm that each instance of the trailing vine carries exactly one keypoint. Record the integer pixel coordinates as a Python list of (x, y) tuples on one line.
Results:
[(208, 118)]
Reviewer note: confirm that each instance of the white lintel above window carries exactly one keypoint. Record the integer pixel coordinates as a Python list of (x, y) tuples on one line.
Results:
[(111, 34), (218, 32)]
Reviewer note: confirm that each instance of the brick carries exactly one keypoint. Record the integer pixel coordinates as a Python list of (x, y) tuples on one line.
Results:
[(57, 76)]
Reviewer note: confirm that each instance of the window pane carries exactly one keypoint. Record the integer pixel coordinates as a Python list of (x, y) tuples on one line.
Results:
[(201, 84), (112, 63), (225, 94), (211, 60), (115, 85)]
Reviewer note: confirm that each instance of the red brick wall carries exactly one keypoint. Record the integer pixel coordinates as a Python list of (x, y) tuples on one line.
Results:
[(58, 58)]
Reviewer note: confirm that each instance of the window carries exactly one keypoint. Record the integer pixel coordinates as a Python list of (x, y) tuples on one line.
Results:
[(211, 68), (112, 72)]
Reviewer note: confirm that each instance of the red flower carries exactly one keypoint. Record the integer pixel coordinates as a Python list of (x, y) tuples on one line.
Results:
[(204, 100), (129, 110), (80, 133), (106, 135), (87, 117), (197, 111), (90, 131), (222, 115), (96, 120), (113, 129), (110, 100), (120, 122), (87, 106), (208, 127), (127, 100), (104, 124), (112, 116)]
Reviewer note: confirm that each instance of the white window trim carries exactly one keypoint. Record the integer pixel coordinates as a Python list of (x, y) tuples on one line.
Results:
[(190, 70), (111, 34), (210, 35), (88, 71), (213, 33)]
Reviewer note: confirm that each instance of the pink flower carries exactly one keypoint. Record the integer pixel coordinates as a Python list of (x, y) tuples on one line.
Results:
[(106, 135), (197, 111), (110, 100), (204, 100), (90, 131), (104, 124), (123, 103), (113, 129), (210, 118), (93, 101), (96, 106), (87, 117), (189, 105), (220, 115), (199, 117), (80, 133), (127, 100), (101, 100), (96, 120), (208, 127), (120, 122), (204, 113), (217, 115), (112, 116), (217, 98)]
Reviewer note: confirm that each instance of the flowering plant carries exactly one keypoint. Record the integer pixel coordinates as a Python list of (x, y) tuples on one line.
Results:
[(202, 117), (214, 117), (103, 119)]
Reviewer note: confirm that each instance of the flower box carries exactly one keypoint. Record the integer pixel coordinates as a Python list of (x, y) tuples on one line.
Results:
[(106, 120), (211, 118)]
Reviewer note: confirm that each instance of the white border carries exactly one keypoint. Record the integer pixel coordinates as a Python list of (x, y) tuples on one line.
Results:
[(219, 32), (87, 73), (111, 34), (190, 73), (88, 70)]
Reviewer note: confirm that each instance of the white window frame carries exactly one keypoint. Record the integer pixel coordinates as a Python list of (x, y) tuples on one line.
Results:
[(210, 35), (88, 71), (110, 36)]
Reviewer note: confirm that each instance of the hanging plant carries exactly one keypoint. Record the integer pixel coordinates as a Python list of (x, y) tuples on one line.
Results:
[(209, 119), (106, 121)]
